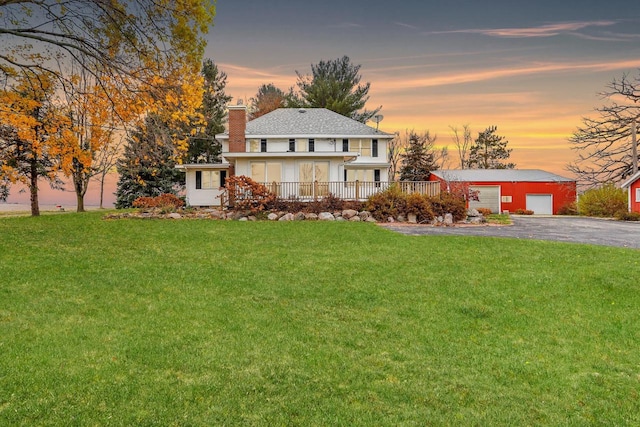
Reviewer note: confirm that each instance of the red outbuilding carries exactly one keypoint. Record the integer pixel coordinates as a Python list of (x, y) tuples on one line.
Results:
[(633, 186), (507, 190)]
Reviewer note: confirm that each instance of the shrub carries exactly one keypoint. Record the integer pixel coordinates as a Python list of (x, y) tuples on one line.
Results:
[(524, 212), (247, 195), (390, 202), (628, 216), (166, 202), (449, 203), (570, 208), (484, 211), (605, 201), (420, 206)]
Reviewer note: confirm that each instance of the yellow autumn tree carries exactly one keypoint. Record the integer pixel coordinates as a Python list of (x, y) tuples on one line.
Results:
[(34, 134)]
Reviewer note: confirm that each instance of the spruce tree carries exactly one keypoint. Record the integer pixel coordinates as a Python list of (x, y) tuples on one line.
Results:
[(203, 147), (419, 159), (147, 167)]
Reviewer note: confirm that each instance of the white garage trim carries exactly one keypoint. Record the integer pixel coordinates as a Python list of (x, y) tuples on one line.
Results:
[(540, 204), (489, 196)]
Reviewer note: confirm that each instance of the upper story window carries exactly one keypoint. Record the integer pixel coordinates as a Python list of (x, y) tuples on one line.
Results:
[(362, 146), (312, 145), (263, 145), (292, 144), (374, 148), (345, 145)]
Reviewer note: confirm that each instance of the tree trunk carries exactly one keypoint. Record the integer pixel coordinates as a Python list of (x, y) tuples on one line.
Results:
[(80, 202), (33, 189), (102, 190)]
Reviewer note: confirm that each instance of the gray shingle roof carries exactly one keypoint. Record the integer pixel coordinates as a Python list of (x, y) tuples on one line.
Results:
[(309, 122), (499, 175)]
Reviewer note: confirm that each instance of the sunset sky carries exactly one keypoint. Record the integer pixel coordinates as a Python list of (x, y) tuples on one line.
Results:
[(532, 68)]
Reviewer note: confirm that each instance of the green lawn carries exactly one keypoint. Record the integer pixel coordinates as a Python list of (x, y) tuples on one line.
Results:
[(158, 322)]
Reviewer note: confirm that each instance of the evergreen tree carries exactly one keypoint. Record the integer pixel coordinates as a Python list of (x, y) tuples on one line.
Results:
[(147, 166), (335, 85), (489, 150), (419, 158), (203, 148)]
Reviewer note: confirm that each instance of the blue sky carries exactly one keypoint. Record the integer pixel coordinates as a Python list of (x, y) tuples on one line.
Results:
[(533, 68)]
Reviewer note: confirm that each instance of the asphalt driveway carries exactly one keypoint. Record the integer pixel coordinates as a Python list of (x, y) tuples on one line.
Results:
[(592, 231)]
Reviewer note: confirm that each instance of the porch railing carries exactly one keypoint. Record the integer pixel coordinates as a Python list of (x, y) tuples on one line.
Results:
[(347, 190)]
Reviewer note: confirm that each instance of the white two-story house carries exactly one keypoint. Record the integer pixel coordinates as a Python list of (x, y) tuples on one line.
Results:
[(298, 153)]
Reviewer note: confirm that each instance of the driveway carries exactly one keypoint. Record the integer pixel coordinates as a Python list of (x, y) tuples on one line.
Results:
[(591, 231)]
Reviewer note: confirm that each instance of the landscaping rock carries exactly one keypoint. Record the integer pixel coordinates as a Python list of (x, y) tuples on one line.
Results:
[(412, 218), (287, 217), (244, 219), (311, 216), (473, 212), (364, 215), (355, 218), (272, 216), (252, 218), (349, 213), (339, 218), (448, 219), (299, 216), (401, 218), (326, 216), (174, 215), (477, 220), (371, 219), (390, 219)]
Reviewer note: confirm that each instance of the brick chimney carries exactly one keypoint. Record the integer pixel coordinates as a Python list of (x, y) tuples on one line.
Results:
[(237, 126)]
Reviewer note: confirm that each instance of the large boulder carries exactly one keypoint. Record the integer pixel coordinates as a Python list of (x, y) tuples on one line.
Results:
[(287, 217), (448, 219), (326, 216), (349, 213)]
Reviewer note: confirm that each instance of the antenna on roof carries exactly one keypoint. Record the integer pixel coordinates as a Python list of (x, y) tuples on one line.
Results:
[(378, 118)]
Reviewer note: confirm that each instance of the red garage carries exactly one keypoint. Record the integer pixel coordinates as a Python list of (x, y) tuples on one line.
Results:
[(633, 187), (510, 189)]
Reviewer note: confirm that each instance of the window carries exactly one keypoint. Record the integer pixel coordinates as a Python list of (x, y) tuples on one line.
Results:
[(360, 175), (637, 194), (362, 146), (312, 145), (263, 145), (345, 145), (376, 175), (374, 148), (254, 146), (266, 171), (206, 180), (292, 145)]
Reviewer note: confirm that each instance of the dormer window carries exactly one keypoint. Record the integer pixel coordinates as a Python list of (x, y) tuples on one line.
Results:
[(292, 144)]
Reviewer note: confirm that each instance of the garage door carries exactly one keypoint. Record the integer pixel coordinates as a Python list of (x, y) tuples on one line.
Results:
[(489, 196), (541, 204)]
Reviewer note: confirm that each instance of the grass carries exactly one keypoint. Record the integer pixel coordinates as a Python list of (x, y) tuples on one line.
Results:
[(151, 322), (503, 219)]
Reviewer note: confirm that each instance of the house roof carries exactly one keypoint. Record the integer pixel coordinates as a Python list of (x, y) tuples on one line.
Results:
[(499, 175), (633, 178), (308, 123)]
